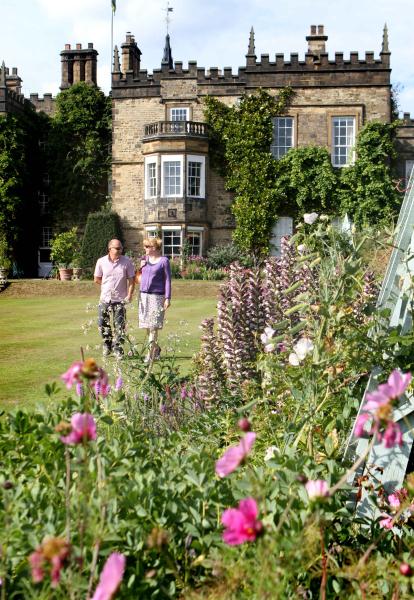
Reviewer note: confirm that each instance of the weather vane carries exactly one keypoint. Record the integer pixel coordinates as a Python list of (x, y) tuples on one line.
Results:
[(168, 10)]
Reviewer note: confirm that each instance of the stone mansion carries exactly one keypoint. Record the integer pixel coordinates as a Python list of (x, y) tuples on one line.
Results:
[(162, 182)]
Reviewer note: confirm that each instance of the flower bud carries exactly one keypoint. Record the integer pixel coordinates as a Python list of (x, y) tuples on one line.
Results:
[(8, 485), (302, 478), (405, 569), (244, 424)]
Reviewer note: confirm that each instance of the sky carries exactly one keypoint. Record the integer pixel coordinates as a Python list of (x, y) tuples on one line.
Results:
[(215, 33)]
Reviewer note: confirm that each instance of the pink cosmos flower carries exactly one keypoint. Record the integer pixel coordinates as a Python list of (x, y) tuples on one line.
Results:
[(235, 455), (53, 551), (241, 523), (379, 407), (83, 429), (73, 374), (85, 370), (317, 488), (111, 577), (395, 499), (386, 522)]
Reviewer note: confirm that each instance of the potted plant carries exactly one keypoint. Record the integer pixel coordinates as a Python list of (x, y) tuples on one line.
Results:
[(76, 264), (63, 248), (5, 262)]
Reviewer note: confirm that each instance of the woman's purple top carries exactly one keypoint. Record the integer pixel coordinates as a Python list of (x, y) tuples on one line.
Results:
[(156, 278)]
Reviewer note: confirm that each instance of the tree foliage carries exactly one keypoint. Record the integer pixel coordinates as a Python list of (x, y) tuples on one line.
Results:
[(79, 151), (20, 171), (241, 136), (367, 192), (101, 227)]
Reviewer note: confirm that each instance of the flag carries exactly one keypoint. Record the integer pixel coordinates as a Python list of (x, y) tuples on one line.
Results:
[(113, 2), (170, 9)]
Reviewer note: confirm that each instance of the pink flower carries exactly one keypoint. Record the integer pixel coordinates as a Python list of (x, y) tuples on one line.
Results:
[(379, 407), (88, 369), (111, 577), (241, 523), (392, 435), (102, 388), (73, 374), (83, 429), (317, 488), (53, 551), (395, 499), (36, 561), (119, 383), (386, 522), (235, 455)]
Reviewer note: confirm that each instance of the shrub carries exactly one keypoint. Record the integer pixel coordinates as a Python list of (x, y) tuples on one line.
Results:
[(63, 247), (223, 255), (101, 227)]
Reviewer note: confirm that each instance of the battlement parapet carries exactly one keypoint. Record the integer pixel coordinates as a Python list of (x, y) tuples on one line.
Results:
[(46, 104)]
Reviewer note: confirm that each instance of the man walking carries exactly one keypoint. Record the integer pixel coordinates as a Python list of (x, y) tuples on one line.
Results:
[(116, 276)]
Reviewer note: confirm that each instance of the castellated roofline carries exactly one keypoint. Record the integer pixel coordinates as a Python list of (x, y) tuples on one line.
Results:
[(319, 65)]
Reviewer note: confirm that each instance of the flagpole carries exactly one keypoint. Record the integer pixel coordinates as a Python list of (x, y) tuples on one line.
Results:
[(112, 46)]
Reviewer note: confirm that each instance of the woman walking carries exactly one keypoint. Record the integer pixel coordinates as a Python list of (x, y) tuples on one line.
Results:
[(154, 275)]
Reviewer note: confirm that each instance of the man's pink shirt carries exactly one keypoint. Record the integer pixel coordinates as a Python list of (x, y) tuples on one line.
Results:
[(115, 275)]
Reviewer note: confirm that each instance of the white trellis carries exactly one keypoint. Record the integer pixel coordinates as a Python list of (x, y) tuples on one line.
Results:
[(389, 465)]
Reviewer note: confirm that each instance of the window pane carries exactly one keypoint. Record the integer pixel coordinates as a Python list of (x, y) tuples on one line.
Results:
[(194, 242), (172, 178), (194, 178), (282, 136), (46, 237), (179, 114), (171, 243), (151, 179), (343, 140)]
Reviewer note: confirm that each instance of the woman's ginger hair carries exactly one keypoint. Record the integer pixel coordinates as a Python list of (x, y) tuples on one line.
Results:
[(154, 242)]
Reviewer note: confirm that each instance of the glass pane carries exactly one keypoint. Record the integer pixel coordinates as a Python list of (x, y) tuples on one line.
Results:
[(172, 178)]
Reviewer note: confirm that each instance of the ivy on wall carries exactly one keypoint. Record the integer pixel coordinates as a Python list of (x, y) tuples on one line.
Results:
[(79, 145), (366, 188), (303, 180), (241, 136)]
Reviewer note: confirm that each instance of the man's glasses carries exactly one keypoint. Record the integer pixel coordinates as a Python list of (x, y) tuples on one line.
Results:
[(116, 247)]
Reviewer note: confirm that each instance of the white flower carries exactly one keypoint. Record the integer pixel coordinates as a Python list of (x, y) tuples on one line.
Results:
[(293, 359), (310, 218), (303, 347), (302, 248), (269, 348), (267, 335), (270, 452)]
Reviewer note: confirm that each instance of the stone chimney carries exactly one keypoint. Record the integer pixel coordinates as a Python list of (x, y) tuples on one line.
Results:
[(78, 64), (316, 40), (13, 80), (131, 55)]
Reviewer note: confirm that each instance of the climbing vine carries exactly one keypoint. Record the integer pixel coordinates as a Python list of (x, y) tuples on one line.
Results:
[(241, 136), (303, 180), (367, 191)]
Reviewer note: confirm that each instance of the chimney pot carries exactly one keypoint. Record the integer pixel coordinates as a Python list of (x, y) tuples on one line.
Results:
[(320, 29), (78, 46), (313, 29), (67, 46), (90, 45), (14, 71)]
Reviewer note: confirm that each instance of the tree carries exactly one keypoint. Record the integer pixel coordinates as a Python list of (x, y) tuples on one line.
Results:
[(79, 152)]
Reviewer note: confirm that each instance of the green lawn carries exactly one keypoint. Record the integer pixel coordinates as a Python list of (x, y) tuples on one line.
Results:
[(42, 336)]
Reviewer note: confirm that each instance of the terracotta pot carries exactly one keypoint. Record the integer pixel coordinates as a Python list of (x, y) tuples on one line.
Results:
[(65, 274)]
